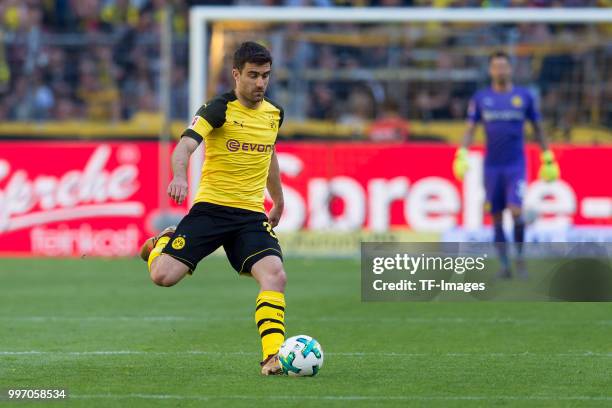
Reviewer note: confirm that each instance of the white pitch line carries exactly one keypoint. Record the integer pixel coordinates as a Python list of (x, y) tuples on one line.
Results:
[(343, 354), (124, 352), (216, 318), (347, 397), (44, 319)]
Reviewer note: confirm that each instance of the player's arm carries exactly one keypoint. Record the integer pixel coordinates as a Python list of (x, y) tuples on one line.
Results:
[(549, 169), (468, 135), (177, 189), (207, 118), (460, 164), (276, 191), (539, 135)]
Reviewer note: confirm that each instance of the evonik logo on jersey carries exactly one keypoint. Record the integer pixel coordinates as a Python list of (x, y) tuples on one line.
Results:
[(234, 145), (93, 191)]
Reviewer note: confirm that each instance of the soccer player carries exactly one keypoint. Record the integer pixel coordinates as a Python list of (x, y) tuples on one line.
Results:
[(239, 129), (503, 109)]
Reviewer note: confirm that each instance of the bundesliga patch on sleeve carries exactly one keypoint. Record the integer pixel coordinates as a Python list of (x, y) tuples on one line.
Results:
[(194, 122)]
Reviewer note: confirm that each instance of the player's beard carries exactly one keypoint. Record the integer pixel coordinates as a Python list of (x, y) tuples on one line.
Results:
[(257, 95)]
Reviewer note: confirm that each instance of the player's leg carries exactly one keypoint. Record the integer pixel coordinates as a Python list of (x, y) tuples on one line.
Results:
[(519, 226), (255, 251), (270, 303), (177, 252), (519, 239), (167, 271), (270, 310), (151, 243), (501, 245), (496, 202), (515, 191), (163, 271), (270, 274)]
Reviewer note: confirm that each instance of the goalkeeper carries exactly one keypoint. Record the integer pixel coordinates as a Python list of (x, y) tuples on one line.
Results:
[(503, 109)]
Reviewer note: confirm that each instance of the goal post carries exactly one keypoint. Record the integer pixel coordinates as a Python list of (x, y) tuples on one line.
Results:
[(202, 17)]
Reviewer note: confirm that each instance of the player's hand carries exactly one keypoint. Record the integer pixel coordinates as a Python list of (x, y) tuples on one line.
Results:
[(549, 169), (275, 215), (177, 190), (460, 164)]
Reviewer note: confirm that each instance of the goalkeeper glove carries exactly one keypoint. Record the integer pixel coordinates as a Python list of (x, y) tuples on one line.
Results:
[(460, 164), (549, 169)]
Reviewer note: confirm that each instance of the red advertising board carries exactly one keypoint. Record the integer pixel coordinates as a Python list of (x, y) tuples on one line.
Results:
[(347, 186), (100, 198), (75, 198)]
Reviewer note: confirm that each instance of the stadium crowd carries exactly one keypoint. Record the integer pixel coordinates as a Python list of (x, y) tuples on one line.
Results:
[(90, 59), (100, 60), (414, 3)]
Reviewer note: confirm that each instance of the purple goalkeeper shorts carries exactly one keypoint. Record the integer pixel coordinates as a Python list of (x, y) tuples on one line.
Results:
[(504, 186)]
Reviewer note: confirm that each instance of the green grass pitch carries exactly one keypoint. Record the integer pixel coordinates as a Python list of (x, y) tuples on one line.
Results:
[(102, 330)]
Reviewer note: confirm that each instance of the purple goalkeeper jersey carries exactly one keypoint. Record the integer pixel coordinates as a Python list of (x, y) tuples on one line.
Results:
[(503, 115)]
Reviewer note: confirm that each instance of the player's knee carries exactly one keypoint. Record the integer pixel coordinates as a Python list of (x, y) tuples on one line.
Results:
[(162, 278), (166, 274), (276, 277), (271, 274), (279, 277)]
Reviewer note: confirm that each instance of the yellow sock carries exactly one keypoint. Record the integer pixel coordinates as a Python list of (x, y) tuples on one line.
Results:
[(159, 246), (270, 320)]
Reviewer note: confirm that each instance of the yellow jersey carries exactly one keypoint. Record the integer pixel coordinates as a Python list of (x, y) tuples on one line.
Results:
[(238, 143)]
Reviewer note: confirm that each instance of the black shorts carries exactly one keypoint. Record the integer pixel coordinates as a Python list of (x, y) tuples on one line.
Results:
[(245, 235)]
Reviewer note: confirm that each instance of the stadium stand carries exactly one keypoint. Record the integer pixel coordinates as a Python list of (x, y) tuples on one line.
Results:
[(99, 61)]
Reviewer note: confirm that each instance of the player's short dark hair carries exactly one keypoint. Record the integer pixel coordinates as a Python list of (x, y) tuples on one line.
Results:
[(251, 52), (499, 54)]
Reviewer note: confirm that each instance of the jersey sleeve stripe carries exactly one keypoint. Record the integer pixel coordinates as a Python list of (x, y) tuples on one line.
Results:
[(192, 134)]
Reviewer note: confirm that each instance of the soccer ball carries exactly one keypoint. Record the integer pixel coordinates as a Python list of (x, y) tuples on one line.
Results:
[(301, 356)]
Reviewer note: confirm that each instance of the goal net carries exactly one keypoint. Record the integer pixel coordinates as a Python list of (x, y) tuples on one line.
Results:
[(336, 71)]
